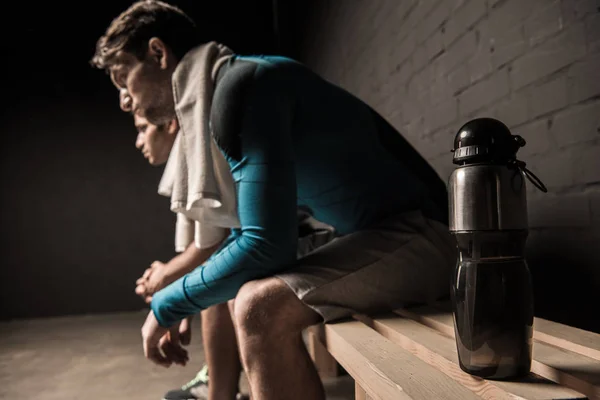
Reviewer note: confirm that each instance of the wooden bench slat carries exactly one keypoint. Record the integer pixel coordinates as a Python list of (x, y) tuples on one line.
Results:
[(563, 366), (439, 351), (568, 337), (384, 370), (560, 335)]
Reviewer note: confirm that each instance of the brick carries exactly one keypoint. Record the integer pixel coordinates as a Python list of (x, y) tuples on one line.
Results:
[(569, 210), (427, 75), (434, 45), (483, 36), (514, 110), (484, 92), (537, 138), (390, 110), (545, 22), (436, 145), (549, 96), (420, 12), (382, 15), (462, 20), (507, 31), (414, 131), (409, 17), (380, 38), (576, 10), (434, 20), (459, 52), (451, 30), (443, 165), (479, 66), (584, 78), (592, 31), (393, 116), (439, 66), (587, 165), (512, 13), (556, 172), (411, 109), (549, 57), (403, 51), (402, 10), (470, 13), (402, 73), (507, 44), (440, 91), (458, 80), (441, 115), (578, 124), (442, 141), (483, 112), (417, 85), (419, 57)]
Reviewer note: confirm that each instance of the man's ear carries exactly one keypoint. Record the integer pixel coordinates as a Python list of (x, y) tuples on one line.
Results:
[(173, 127), (158, 52)]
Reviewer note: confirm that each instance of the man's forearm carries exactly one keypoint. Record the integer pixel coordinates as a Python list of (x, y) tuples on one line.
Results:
[(188, 260)]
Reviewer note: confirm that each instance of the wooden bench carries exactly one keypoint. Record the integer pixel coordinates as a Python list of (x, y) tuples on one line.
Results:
[(411, 354)]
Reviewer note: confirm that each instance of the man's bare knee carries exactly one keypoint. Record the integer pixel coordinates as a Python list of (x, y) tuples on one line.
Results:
[(231, 306), (269, 307)]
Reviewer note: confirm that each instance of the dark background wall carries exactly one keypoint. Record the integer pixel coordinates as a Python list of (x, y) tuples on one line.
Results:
[(80, 218), (431, 65)]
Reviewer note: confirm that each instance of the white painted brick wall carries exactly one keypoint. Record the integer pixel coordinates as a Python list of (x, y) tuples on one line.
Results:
[(429, 66)]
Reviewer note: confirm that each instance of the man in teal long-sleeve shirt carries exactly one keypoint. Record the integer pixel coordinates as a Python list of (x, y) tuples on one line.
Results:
[(289, 138)]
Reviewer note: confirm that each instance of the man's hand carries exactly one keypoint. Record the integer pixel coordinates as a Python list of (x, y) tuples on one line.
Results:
[(185, 330), (161, 345), (154, 278)]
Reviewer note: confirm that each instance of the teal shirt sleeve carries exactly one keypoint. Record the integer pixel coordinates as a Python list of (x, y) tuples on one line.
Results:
[(266, 190)]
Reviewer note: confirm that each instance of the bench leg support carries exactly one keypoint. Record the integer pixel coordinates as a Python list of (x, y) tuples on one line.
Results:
[(359, 392), (326, 365)]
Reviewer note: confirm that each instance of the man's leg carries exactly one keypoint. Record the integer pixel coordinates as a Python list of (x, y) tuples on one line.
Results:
[(221, 357), (406, 259), (269, 321), (221, 352)]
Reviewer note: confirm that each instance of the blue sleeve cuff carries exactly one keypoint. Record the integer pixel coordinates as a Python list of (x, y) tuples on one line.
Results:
[(171, 304)]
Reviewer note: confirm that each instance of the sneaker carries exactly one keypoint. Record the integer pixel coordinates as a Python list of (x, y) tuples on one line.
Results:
[(196, 389)]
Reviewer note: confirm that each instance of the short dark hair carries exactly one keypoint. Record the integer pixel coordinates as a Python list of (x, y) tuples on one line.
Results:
[(143, 20)]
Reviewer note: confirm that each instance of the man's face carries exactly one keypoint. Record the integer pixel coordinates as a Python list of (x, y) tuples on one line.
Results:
[(155, 141), (144, 87)]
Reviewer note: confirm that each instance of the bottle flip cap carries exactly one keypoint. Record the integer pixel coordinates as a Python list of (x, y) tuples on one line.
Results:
[(487, 140)]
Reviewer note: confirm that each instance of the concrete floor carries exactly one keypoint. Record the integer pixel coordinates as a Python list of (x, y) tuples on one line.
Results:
[(96, 357)]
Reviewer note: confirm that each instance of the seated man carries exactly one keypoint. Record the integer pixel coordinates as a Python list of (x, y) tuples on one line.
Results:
[(220, 347), (288, 138)]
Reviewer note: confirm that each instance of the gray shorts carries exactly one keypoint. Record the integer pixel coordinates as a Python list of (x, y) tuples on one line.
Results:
[(406, 259)]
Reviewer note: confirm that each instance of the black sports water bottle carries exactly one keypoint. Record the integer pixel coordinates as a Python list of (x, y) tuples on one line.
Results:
[(491, 290)]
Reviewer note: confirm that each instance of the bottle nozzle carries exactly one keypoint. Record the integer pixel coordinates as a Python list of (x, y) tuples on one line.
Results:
[(520, 141)]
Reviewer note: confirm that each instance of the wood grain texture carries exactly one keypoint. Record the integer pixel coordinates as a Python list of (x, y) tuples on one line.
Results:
[(440, 352), (560, 335), (567, 337), (579, 372), (384, 370)]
